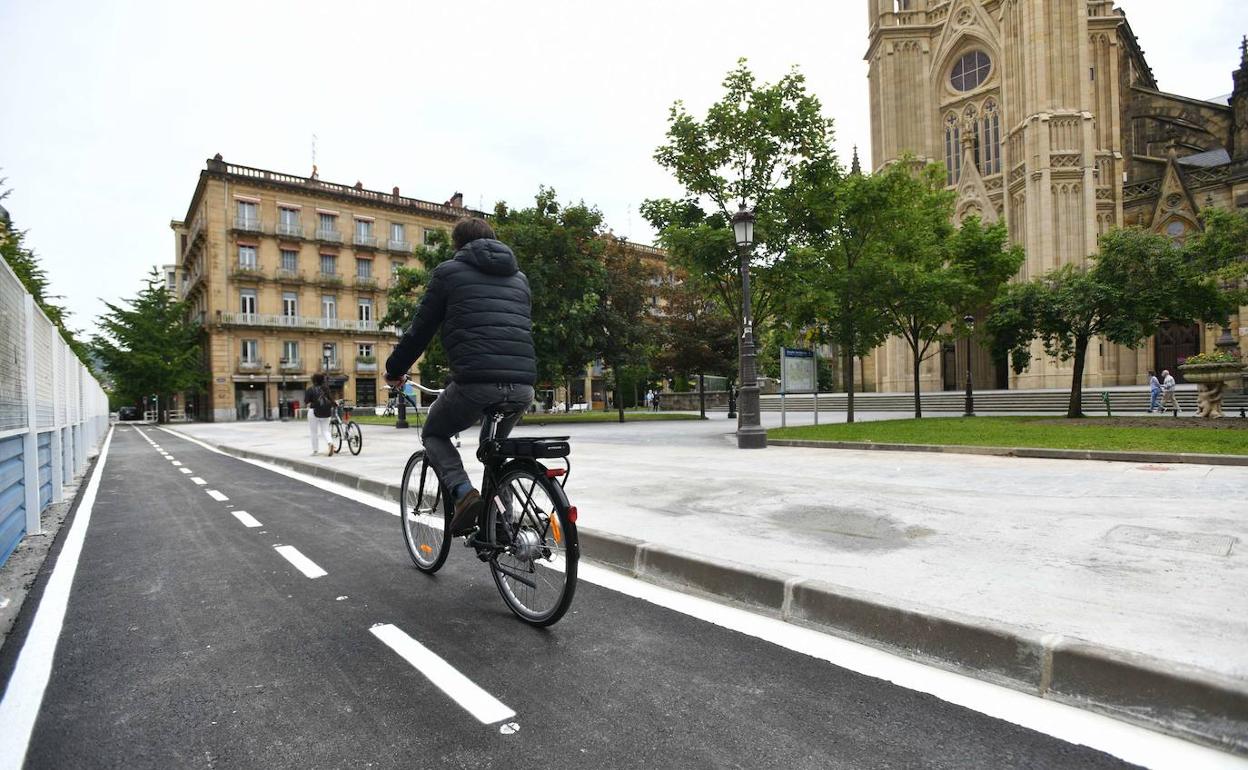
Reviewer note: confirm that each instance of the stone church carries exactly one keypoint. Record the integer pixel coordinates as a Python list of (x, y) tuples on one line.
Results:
[(1046, 115)]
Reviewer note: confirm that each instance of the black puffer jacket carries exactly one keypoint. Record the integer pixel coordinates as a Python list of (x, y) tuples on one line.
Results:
[(482, 302)]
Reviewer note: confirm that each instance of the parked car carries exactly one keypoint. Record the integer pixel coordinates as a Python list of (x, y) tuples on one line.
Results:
[(128, 413)]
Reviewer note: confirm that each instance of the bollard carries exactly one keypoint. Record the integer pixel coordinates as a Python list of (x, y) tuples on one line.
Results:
[(1105, 398), (401, 421)]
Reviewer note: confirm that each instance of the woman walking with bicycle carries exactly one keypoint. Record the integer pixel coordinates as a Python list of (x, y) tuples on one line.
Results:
[(481, 302), (321, 408)]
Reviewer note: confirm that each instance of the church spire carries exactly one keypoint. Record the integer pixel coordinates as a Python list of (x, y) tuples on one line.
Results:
[(855, 167), (1243, 53)]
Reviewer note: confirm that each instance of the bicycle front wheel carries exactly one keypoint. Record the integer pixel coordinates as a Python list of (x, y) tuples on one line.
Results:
[(355, 438), (425, 513), (335, 435), (536, 571)]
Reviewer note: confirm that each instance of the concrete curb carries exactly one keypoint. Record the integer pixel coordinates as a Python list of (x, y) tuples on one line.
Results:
[(1053, 454), (1181, 700)]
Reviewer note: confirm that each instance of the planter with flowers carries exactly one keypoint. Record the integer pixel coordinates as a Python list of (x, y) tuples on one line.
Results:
[(1211, 372)]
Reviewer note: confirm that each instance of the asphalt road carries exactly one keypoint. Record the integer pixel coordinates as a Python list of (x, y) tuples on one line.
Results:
[(190, 641)]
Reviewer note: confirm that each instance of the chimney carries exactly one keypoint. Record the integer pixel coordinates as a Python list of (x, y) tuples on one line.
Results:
[(457, 200), (396, 191), (359, 185)]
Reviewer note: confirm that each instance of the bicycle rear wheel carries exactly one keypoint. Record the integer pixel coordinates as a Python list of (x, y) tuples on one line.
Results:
[(335, 435), (425, 514), (536, 571), (355, 438)]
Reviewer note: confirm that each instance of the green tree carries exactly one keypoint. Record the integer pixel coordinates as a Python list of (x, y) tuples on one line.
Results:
[(560, 249), (746, 149), (150, 346), (695, 336), (1220, 252), (1135, 281), (623, 314)]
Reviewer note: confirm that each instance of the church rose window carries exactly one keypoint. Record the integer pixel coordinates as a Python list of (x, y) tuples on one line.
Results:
[(970, 71)]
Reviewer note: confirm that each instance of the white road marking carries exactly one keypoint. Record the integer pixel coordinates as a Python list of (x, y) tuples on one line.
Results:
[(176, 464), (1126, 741), (24, 696), (215, 495), (484, 707), (186, 470), (301, 562), (246, 518), (198, 480)]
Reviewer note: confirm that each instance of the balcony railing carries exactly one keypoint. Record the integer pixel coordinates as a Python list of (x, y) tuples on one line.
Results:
[(365, 366), (252, 366), (247, 224), (288, 275), (291, 365), (247, 273), (403, 246), (331, 365), (290, 229), (329, 279), (365, 282), (366, 241), (333, 236), (272, 321)]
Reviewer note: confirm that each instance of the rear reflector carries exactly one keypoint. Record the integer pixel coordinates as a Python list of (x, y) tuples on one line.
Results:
[(552, 473), (572, 513)]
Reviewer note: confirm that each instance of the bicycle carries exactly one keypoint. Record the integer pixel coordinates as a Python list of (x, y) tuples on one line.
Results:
[(340, 426), (526, 532), (392, 406)]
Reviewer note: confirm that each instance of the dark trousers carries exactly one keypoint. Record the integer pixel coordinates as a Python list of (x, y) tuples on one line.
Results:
[(457, 409)]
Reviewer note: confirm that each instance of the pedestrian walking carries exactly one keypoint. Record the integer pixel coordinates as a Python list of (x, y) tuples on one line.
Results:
[(649, 398), (320, 408), (1168, 385), (656, 402), (1154, 392)]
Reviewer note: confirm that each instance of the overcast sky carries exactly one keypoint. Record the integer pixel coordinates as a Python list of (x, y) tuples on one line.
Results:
[(110, 109)]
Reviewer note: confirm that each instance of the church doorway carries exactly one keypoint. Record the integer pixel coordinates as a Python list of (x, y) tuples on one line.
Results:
[(1174, 343), (949, 366)]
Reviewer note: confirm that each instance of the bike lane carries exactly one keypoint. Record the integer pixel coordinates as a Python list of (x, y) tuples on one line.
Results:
[(192, 641)]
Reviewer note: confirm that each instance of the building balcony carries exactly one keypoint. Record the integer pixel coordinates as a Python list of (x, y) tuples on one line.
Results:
[(403, 247), (329, 279), (247, 273), (329, 236), (290, 365), (250, 366), (290, 229), (303, 322), (331, 365), (366, 367), (247, 225), (366, 283), (289, 276), (364, 241), (366, 326)]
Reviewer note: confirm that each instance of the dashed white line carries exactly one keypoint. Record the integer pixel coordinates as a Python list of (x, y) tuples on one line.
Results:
[(485, 707), (176, 464), (301, 562), (215, 495), (246, 518), (198, 480), (186, 470)]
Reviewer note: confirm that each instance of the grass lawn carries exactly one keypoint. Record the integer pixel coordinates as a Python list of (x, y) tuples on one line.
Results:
[(1151, 435), (366, 417)]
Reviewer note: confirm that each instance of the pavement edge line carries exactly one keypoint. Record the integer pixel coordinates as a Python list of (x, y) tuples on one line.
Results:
[(1105, 455)]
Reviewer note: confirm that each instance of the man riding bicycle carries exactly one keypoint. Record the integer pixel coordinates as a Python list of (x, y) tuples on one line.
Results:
[(482, 303)]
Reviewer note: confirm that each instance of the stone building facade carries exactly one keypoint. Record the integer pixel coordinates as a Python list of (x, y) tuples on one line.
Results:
[(1047, 116), (288, 276)]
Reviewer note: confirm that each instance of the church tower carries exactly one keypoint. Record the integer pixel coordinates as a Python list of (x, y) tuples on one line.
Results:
[(1019, 99)]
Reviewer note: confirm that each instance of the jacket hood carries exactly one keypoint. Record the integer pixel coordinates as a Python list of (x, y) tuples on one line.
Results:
[(489, 256)]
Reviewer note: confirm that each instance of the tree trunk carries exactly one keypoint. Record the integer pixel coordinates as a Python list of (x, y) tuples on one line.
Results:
[(567, 402), (1076, 386), (702, 395), (918, 402), (849, 386), (619, 402)]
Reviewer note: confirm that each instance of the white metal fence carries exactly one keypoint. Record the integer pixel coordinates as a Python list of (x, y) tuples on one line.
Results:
[(53, 412)]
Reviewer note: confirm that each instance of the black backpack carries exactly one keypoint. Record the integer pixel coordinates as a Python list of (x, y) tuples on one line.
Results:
[(321, 402)]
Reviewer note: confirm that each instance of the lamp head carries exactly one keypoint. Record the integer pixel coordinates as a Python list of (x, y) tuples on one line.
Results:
[(743, 226), (969, 320)]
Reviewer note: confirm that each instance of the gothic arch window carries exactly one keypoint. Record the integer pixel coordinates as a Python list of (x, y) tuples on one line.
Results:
[(970, 71), (990, 139), (953, 152)]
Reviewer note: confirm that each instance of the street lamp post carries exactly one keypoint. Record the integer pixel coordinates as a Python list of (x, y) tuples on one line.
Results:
[(969, 320), (750, 433), (267, 368)]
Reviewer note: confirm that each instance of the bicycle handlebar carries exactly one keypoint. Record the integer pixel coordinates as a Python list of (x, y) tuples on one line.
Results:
[(417, 385)]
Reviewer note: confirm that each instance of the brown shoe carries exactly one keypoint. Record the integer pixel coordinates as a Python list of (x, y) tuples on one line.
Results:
[(467, 510)]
